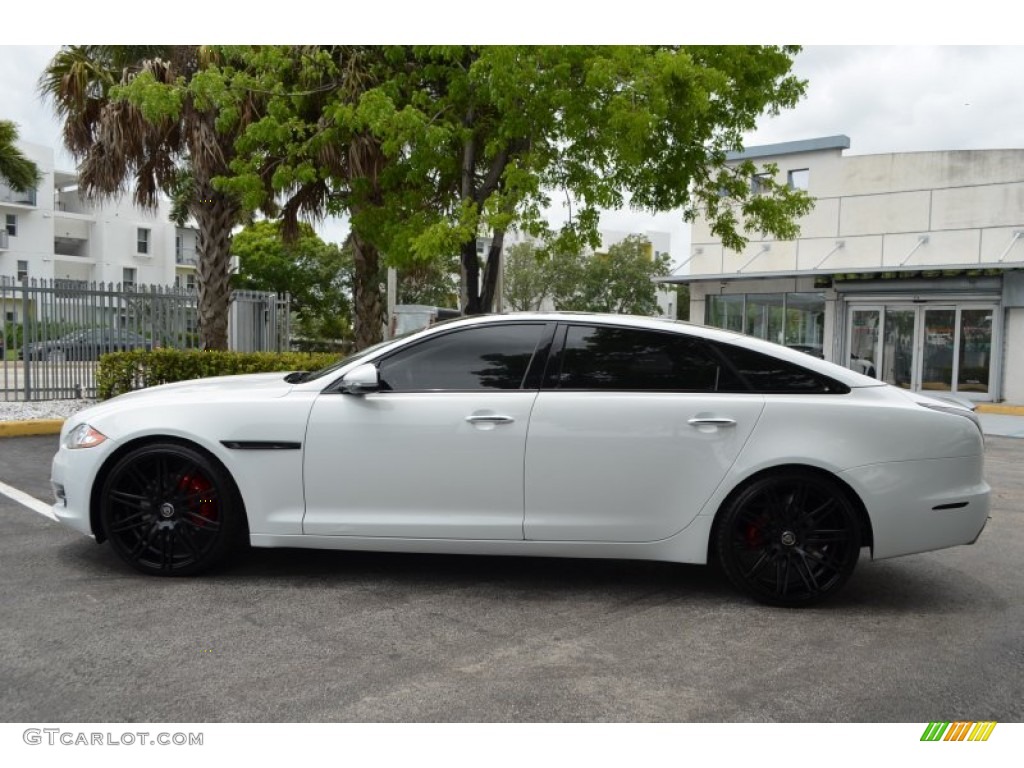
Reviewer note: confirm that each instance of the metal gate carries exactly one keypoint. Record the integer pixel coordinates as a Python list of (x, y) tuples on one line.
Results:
[(52, 332)]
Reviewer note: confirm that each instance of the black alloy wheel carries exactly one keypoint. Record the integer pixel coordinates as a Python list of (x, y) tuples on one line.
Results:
[(168, 510), (789, 539)]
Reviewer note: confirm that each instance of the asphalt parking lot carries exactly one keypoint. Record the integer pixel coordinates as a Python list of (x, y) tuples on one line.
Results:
[(330, 636)]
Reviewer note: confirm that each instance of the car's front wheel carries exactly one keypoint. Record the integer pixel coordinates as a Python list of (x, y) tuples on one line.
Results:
[(789, 539), (169, 510)]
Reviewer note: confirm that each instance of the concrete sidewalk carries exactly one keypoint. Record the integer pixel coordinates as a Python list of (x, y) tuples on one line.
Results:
[(1001, 425)]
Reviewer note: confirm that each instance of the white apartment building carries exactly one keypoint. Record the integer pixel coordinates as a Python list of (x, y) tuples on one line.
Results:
[(909, 268), (53, 233)]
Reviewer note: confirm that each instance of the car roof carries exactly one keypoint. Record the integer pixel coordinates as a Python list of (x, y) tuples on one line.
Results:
[(838, 372)]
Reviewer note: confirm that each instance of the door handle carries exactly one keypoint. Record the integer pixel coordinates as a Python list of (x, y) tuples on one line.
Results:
[(711, 421), (489, 418)]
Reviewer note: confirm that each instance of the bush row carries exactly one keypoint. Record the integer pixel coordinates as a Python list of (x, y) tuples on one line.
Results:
[(120, 372)]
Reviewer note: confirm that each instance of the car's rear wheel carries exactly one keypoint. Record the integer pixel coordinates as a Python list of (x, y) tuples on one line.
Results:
[(169, 510), (789, 539)]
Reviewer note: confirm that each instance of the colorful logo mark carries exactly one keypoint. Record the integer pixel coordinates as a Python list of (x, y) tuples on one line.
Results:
[(960, 731)]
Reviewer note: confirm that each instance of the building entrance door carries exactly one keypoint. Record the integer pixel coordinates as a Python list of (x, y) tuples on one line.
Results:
[(929, 347)]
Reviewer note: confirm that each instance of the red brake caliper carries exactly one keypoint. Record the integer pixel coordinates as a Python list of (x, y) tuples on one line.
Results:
[(753, 535), (196, 486)]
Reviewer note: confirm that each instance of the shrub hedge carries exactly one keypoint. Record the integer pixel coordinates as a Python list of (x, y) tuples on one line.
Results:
[(120, 372)]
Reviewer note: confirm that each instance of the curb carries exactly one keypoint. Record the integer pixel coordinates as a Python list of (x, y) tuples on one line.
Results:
[(30, 427), (1001, 409)]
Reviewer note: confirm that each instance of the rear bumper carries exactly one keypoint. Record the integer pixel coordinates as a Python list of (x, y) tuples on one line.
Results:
[(919, 506)]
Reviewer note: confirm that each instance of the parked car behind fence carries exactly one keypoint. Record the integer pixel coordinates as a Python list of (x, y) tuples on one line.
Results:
[(87, 344)]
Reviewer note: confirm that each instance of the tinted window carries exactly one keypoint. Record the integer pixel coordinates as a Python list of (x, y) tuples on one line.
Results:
[(625, 359), (769, 375), (492, 357)]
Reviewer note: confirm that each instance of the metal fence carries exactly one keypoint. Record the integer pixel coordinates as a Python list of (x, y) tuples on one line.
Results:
[(52, 332)]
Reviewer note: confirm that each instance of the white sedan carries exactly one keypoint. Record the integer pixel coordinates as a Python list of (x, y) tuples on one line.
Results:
[(561, 435)]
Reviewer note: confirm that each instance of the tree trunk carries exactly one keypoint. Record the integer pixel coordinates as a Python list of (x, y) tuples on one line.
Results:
[(368, 309), (492, 271), (213, 269), (471, 276)]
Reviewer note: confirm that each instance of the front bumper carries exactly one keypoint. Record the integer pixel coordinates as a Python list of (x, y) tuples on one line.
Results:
[(73, 471)]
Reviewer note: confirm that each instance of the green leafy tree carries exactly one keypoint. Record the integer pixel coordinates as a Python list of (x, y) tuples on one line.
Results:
[(620, 280), (18, 171), (154, 117), (434, 283), (317, 275), (647, 125), (314, 147), (429, 147), (527, 281)]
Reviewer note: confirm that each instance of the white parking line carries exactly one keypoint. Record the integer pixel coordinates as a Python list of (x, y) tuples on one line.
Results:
[(28, 501)]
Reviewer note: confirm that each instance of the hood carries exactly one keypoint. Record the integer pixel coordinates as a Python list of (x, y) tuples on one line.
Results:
[(250, 386), (268, 384)]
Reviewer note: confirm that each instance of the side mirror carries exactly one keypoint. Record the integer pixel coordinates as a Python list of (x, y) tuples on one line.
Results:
[(361, 380)]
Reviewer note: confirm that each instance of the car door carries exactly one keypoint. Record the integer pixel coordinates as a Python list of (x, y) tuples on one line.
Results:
[(438, 452), (631, 434)]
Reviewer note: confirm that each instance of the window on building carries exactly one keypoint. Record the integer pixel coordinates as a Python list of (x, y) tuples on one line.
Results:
[(143, 240), (725, 312), (794, 319), (805, 322), (22, 270), (10, 195), (764, 314), (11, 224), (760, 183), (178, 247), (799, 178), (128, 278)]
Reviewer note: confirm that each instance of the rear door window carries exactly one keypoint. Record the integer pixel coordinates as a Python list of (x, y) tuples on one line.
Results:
[(638, 360)]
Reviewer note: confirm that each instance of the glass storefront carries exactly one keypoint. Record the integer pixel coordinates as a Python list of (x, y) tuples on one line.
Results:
[(931, 348), (725, 312), (794, 319), (898, 347), (974, 360), (764, 316)]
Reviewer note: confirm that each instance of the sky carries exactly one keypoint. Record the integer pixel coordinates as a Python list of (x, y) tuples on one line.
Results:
[(918, 96)]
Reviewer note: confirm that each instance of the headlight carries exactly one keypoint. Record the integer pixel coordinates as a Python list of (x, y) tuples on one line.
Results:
[(84, 436)]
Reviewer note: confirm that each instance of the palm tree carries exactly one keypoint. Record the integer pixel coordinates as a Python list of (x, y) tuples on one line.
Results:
[(121, 141), (17, 170)]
